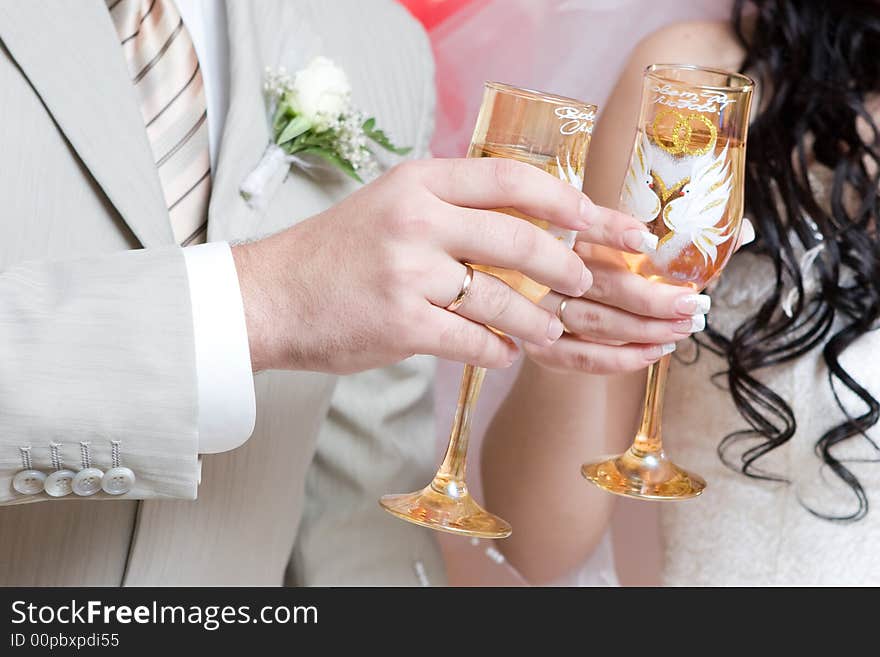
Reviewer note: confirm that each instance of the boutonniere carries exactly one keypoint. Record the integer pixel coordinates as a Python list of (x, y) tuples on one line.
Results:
[(314, 122)]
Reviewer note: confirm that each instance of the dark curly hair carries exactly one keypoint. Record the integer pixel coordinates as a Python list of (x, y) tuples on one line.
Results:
[(816, 63)]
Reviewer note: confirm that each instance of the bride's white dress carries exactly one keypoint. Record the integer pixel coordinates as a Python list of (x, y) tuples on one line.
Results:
[(743, 531)]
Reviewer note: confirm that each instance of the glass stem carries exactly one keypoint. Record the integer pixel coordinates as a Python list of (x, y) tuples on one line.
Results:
[(452, 470), (648, 439)]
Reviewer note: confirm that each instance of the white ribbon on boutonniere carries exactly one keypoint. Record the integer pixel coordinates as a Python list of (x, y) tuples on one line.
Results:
[(315, 125)]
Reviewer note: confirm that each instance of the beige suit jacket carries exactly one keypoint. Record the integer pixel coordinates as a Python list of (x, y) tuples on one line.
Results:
[(96, 327)]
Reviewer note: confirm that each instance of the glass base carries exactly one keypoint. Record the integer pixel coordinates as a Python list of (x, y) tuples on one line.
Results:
[(457, 515), (646, 476)]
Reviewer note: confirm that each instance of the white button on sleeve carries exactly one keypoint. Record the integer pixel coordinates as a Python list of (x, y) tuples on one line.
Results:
[(29, 482), (60, 483), (227, 406), (118, 481), (87, 482)]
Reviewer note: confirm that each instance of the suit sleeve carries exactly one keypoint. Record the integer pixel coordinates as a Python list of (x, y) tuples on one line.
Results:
[(100, 349)]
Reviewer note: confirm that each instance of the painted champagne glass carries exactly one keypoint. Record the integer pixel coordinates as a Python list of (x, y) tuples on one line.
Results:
[(553, 134), (685, 181)]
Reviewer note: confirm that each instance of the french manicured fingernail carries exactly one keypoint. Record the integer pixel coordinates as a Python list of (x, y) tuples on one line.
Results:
[(693, 304), (584, 211), (586, 281), (659, 351), (695, 324), (555, 329), (746, 233), (641, 240)]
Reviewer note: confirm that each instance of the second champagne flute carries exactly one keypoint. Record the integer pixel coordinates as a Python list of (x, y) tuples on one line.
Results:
[(553, 134), (685, 181)]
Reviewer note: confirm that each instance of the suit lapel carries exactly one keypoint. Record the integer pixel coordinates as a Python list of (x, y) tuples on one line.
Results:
[(70, 54), (246, 130)]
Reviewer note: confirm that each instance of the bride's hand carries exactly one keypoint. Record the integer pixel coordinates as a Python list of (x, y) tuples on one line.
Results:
[(624, 322)]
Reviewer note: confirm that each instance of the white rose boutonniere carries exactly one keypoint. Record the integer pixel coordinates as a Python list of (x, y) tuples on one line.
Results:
[(313, 119), (320, 93)]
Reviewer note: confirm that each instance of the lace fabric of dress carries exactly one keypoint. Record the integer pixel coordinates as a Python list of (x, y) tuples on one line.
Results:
[(744, 531)]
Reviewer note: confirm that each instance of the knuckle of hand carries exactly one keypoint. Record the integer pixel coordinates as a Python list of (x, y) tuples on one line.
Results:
[(457, 169), (647, 332), (600, 288), (523, 239), (466, 344), (408, 219), (397, 271), (507, 175), (495, 298), (583, 361), (612, 234), (475, 344), (396, 219), (643, 305), (589, 319), (405, 171)]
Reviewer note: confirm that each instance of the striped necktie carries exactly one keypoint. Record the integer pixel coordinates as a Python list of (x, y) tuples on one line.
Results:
[(165, 73)]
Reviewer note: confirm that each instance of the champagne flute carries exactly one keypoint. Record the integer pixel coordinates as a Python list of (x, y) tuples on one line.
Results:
[(685, 181), (553, 134)]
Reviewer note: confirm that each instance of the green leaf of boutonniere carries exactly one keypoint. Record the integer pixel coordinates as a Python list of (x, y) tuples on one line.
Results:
[(379, 136), (325, 140), (283, 113), (297, 126), (333, 159)]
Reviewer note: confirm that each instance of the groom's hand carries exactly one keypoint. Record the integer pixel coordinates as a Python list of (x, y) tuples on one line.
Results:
[(367, 282)]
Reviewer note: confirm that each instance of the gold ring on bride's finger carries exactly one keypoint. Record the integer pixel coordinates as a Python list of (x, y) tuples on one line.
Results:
[(561, 309), (465, 288)]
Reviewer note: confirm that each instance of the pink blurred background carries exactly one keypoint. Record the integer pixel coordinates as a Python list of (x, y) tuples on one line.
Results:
[(574, 48)]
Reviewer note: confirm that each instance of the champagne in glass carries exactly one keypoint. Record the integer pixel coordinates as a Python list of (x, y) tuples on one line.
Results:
[(685, 181), (572, 172), (553, 134)]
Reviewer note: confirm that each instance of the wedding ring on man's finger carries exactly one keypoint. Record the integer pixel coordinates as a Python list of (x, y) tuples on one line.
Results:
[(465, 288), (561, 309)]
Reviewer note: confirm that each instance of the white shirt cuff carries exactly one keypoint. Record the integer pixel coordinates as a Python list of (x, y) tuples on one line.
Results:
[(227, 404)]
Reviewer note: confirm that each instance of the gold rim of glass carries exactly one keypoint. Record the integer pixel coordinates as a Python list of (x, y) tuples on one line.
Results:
[(655, 71), (533, 94)]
